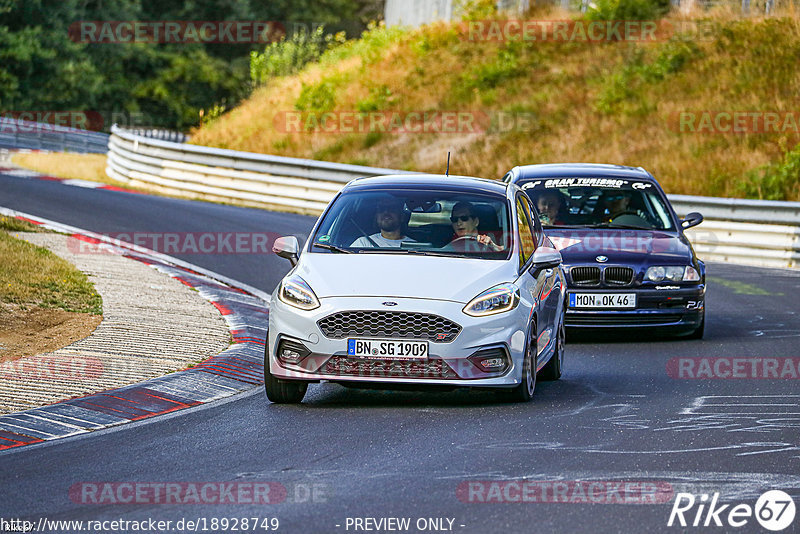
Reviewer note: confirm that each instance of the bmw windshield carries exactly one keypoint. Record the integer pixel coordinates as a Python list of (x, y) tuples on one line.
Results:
[(599, 203), (434, 222)]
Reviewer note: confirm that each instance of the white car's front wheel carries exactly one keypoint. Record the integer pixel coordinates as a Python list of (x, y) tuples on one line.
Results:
[(524, 391), (282, 391), (552, 369)]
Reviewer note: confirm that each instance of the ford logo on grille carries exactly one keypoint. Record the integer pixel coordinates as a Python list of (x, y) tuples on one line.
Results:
[(389, 303), (602, 259)]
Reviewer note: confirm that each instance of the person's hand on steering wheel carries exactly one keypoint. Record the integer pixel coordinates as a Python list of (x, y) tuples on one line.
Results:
[(482, 239)]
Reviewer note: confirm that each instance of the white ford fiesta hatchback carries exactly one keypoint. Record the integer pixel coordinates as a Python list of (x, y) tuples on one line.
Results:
[(419, 279)]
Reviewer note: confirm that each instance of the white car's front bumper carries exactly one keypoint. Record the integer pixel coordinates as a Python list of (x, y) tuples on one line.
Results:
[(448, 363)]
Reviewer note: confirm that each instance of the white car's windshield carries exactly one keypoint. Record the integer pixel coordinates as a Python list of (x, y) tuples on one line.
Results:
[(413, 221), (599, 202)]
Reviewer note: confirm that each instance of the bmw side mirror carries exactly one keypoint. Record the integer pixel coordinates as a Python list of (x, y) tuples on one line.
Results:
[(691, 219), (287, 247), (546, 258)]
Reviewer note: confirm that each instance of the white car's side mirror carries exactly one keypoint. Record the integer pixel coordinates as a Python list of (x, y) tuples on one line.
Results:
[(546, 257), (287, 247)]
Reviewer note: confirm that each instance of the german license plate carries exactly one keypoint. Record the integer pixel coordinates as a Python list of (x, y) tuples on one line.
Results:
[(602, 300), (387, 348)]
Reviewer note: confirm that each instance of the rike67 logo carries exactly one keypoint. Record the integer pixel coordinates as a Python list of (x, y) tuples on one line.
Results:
[(774, 510)]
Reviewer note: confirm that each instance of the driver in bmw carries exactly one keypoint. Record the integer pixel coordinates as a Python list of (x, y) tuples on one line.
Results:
[(617, 204), (465, 226)]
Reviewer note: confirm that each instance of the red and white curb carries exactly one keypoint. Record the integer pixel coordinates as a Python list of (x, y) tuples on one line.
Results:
[(235, 370)]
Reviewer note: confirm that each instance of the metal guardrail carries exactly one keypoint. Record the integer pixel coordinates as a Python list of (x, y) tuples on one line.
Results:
[(764, 233), (16, 134), (158, 133), (754, 232), (301, 185)]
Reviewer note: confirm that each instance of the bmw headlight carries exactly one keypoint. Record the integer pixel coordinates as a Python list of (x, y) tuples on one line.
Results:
[(691, 275), (672, 273), (498, 299), (296, 292)]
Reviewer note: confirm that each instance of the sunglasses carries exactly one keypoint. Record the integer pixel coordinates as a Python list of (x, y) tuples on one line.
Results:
[(388, 208), (462, 218)]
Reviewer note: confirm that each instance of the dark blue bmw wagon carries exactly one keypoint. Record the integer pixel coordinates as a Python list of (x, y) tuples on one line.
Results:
[(627, 259)]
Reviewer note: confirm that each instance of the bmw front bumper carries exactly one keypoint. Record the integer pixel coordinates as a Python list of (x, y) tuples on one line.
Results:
[(679, 309)]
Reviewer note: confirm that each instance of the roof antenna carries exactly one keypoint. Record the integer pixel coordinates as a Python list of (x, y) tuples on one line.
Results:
[(447, 172)]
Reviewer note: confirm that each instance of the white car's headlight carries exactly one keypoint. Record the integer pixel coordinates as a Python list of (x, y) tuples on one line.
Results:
[(296, 292), (497, 299), (673, 273)]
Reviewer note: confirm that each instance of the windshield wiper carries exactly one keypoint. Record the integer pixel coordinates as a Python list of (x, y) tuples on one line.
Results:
[(426, 252), (613, 225), (627, 226), (333, 248), (398, 250)]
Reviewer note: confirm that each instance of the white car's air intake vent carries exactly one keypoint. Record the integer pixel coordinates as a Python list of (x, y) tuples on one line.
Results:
[(385, 324)]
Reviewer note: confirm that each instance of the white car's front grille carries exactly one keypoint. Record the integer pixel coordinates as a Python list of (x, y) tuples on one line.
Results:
[(386, 324), (382, 368)]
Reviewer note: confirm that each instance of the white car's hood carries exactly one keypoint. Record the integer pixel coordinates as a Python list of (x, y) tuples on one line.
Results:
[(399, 275)]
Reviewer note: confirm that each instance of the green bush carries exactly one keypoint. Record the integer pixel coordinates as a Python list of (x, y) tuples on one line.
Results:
[(625, 87), (375, 41), (318, 97), (291, 55), (778, 181), (628, 10), (379, 98), (504, 66), (476, 9)]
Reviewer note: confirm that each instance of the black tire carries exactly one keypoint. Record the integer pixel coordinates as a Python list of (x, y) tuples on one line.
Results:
[(524, 391), (282, 391), (552, 369), (698, 332)]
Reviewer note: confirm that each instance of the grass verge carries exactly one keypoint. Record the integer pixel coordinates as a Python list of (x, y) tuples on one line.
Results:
[(32, 276), (91, 167)]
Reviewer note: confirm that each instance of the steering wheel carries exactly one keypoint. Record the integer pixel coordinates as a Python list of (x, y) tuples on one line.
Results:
[(631, 214), (462, 247)]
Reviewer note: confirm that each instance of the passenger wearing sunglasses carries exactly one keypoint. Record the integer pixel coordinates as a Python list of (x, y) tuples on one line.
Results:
[(465, 227), (391, 220)]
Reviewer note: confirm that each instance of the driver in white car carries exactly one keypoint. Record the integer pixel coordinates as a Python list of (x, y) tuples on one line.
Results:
[(465, 226), (389, 216)]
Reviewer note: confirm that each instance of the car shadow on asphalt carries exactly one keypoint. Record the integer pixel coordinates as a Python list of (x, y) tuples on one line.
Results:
[(559, 393), (621, 335)]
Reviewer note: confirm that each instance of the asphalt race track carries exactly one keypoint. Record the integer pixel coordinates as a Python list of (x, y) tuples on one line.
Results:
[(621, 414)]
